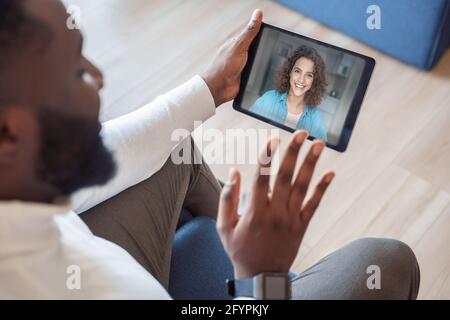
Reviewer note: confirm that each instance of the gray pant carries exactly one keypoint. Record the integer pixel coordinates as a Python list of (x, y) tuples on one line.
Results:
[(143, 219)]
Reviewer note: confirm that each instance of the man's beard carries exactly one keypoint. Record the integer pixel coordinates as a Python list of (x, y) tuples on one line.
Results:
[(72, 153)]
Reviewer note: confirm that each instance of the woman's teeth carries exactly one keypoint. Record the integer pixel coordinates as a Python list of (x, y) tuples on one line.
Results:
[(299, 86)]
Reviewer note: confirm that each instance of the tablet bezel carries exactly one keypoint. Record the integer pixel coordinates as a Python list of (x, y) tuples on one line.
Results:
[(355, 106)]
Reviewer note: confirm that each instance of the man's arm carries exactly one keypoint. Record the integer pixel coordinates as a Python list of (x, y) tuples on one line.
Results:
[(141, 140)]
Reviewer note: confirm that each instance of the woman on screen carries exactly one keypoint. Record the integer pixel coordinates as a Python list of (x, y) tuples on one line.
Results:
[(300, 86)]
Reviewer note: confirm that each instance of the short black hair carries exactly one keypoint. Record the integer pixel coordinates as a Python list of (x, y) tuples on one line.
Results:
[(19, 32), (12, 22), (17, 29)]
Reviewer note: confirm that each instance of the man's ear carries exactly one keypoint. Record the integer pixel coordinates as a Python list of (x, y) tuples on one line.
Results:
[(18, 133)]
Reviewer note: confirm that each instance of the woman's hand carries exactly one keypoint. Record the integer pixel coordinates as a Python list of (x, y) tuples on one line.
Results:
[(268, 235), (224, 76)]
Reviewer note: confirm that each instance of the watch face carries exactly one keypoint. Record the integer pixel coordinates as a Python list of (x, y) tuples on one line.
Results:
[(275, 287)]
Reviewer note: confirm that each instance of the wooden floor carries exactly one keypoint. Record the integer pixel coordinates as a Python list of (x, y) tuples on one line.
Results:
[(394, 180)]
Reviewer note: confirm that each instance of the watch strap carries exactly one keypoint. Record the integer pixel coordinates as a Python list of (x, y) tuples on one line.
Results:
[(241, 287)]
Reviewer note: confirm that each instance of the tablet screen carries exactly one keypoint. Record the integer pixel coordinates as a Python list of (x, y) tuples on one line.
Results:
[(295, 82)]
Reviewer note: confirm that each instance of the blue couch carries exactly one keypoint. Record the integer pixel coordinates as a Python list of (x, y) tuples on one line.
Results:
[(414, 31)]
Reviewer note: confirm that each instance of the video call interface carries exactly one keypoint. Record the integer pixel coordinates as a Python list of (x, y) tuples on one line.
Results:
[(302, 84)]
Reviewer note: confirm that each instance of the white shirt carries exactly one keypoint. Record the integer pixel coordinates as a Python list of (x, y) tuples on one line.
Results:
[(44, 248), (292, 119)]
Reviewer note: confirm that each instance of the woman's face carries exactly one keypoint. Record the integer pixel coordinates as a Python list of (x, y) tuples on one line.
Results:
[(302, 77)]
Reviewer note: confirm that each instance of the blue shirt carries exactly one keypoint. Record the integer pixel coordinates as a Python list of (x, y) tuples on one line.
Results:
[(272, 105)]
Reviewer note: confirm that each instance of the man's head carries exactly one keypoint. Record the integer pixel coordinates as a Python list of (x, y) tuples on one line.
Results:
[(50, 141)]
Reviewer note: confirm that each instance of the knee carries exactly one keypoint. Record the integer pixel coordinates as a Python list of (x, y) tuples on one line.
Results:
[(401, 252), (397, 261), (388, 251)]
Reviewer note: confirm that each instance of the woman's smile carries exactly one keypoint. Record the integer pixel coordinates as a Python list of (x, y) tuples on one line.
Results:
[(299, 89)]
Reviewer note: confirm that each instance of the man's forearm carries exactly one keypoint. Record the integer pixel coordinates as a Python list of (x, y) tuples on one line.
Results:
[(141, 140)]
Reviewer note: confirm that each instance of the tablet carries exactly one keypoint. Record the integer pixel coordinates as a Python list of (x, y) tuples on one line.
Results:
[(295, 82)]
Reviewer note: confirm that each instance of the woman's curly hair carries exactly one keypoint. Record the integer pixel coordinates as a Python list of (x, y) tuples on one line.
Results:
[(282, 80)]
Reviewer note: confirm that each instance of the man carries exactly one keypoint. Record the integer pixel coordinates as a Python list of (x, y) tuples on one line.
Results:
[(52, 145)]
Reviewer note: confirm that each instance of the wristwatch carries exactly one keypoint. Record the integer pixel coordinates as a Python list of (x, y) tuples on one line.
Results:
[(264, 286)]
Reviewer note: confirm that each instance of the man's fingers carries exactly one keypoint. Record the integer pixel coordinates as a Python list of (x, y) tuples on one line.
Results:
[(313, 203), (229, 200), (251, 30), (262, 177), (301, 183), (282, 188)]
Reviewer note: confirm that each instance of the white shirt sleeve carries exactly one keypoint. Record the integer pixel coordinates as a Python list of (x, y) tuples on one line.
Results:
[(141, 140)]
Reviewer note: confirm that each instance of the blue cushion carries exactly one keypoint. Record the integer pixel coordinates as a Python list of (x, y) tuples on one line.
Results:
[(414, 31), (200, 265)]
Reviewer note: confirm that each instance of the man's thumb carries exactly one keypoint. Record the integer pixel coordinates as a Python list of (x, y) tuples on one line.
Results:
[(252, 29)]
